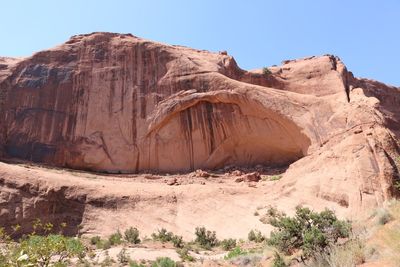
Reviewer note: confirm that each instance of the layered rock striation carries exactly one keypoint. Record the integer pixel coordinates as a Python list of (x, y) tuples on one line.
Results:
[(121, 104)]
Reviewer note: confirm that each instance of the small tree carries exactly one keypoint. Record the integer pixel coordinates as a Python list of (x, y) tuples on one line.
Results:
[(35, 250), (115, 239), (266, 71), (205, 238), (256, 236), (308, 231), (132, 235), (164, 236)]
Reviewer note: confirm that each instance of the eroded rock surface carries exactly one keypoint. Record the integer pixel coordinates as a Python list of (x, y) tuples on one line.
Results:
[(120, 104)]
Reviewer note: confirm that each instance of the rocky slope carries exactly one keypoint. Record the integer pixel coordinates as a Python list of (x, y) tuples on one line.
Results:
[(120, 104)]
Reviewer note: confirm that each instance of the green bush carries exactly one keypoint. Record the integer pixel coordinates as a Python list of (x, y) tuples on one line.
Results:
[(177, 241), (132, 235), (256, 236), (164, 262), (275, 177), (115, 239), (36, 250), (228, 244), (164, 236), (184, 254), (308, 231), (266, 71), (235, 253), (205, 238)]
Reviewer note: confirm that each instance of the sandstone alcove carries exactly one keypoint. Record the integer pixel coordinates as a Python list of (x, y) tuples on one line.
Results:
[(213, 135)]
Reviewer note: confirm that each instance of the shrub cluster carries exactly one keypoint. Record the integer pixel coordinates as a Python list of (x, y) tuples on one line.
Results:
[(308, 231), (165, 236), (39, 250), (205, 238), (256, 236), (228, 244)]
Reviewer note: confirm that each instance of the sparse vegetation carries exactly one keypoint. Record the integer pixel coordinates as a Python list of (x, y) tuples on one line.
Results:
[(135, 264), (383, 216), (205, 238), (275, 177), (39, 250), (228, 244), (95, 240), (164, 262), (108, 261), (115, 239), (347, 255), (165, 236), (271, 177), (278, 261), (132, 235), (315, 238), (266, 71), (123, 257), (310, 232), (236, 252), (256, 236), (184, 254)]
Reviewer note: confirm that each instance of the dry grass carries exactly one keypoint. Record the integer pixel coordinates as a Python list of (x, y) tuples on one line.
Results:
[(348, 255), (386, 238)]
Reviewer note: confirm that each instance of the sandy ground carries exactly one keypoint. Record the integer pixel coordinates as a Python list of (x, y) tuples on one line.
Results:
[(178, 203)]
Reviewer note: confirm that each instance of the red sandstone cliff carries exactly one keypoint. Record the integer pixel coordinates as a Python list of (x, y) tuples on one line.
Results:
[(118, 103)]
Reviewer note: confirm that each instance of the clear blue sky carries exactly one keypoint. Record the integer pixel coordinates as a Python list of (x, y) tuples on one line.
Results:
[(364, 33)]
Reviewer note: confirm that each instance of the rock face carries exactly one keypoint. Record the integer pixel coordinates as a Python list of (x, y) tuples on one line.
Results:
[(118, 103)]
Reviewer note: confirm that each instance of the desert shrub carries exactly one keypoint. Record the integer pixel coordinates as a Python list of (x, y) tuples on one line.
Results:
[(177, 241), (104, 244), (164, 236), (164, 262), (108, 261), (396, 185), (266, 71), (236, 252), (36, 250), (132, 235), (135, 264), (228, 244), (123, 257), (383, 216), (278, 261), (275, 177), (246, 260), (115, 239), (308, 231), (205, 238), (94, 240), (350, 254), (184, 254), (256, 236)]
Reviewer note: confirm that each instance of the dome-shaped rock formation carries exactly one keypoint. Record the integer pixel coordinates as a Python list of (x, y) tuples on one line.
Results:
[(117, 103)]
